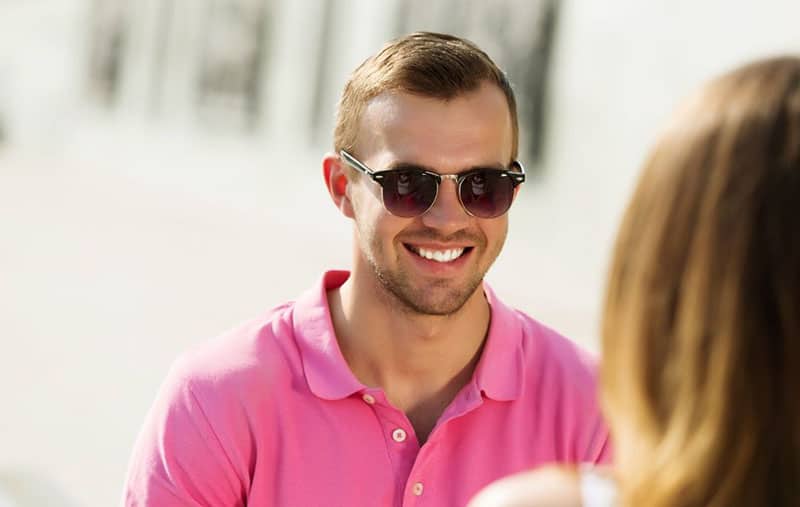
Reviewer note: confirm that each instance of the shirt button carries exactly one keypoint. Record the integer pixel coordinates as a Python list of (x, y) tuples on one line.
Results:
[(417, 489), (368, 398), (399, 435)]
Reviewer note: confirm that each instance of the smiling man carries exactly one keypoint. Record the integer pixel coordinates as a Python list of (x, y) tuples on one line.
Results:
[(405, 381)]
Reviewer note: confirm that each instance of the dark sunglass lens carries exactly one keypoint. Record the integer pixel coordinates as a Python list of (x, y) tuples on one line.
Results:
[(408, 193), (487, 194)]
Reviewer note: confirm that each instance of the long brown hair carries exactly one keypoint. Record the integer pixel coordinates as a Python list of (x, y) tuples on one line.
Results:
[(701, 330)]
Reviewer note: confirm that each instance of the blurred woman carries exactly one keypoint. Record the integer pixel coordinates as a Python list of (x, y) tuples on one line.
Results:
[(700, 374)]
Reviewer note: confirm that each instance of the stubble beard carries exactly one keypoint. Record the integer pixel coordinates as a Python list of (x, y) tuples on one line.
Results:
[(437, 297), (418, 300)]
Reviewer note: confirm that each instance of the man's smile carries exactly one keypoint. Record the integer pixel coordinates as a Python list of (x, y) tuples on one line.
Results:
[(438, 254)]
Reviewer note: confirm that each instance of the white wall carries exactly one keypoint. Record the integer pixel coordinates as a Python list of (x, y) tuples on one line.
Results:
[(122, 244), (621, 67)]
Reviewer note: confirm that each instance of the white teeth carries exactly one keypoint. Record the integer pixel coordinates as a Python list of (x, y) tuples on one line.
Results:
[(440, 255)]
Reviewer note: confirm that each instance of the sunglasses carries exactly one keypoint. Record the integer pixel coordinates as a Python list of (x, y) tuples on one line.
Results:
[(410, 192)]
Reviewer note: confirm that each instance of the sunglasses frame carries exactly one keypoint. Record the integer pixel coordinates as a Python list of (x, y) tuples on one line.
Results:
[(517, 177)]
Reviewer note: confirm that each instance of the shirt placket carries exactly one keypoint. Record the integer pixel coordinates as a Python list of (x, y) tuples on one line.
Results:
[(420, 487), (402, 445)]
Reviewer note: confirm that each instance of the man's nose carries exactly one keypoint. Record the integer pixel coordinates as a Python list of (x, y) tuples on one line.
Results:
[(447, 214)]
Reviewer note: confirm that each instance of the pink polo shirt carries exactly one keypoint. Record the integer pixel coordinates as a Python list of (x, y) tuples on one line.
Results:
[(271, 415)]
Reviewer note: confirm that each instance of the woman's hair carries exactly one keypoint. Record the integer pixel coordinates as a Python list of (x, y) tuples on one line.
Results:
[(701, 329)]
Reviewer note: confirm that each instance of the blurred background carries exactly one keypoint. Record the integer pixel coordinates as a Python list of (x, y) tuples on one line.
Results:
[(160, 180)]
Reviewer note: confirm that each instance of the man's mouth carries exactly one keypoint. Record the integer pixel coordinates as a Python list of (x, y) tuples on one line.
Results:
[(445, 255)]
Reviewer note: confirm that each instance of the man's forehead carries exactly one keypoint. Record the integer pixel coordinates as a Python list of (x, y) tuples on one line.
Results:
[(413, 127), (399, 97)]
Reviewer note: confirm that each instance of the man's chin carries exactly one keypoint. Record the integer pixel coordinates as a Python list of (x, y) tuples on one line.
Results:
[(436, 301), (436, 310)]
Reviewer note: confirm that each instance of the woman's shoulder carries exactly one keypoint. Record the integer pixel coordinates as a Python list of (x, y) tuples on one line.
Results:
[(550, 486)]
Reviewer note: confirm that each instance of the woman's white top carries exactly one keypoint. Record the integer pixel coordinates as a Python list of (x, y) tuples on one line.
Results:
[(597, 490)]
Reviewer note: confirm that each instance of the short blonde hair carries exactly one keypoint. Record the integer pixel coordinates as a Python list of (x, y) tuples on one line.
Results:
[(423, 63), (701, 329)]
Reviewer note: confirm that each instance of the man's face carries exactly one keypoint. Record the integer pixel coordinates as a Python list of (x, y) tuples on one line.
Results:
[(433, 263)]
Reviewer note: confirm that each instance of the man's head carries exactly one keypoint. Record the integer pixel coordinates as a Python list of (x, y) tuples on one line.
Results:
[(434, 103), (423, 63)]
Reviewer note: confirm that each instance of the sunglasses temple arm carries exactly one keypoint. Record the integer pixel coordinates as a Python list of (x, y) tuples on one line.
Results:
[(521, 170), (356, 164)]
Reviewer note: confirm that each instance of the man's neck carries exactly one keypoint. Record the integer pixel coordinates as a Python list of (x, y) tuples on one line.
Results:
[(420, 361)]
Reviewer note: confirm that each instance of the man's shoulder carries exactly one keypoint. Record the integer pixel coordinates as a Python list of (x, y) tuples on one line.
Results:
[(263, 346), (543, 349), (561, 380), (554, 353)]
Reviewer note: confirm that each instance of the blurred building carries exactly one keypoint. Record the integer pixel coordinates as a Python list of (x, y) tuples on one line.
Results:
[(277, 67)]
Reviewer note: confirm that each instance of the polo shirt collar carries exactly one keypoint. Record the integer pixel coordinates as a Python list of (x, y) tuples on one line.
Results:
[(498, 374), (500, 369), (328, 375)]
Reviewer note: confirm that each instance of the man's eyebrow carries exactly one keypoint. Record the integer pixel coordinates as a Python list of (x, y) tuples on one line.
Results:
[(410, 166)]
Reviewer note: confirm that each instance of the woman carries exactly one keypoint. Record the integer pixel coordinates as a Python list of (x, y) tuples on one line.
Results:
[(700, 375)]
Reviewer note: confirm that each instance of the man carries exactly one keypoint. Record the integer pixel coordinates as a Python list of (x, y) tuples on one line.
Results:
[(406, 381)]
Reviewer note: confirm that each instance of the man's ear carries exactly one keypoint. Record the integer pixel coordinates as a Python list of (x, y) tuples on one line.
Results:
[(336, 179)]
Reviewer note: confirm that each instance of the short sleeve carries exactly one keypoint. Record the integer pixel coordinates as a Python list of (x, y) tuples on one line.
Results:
[(178, 458), (598, 447)]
